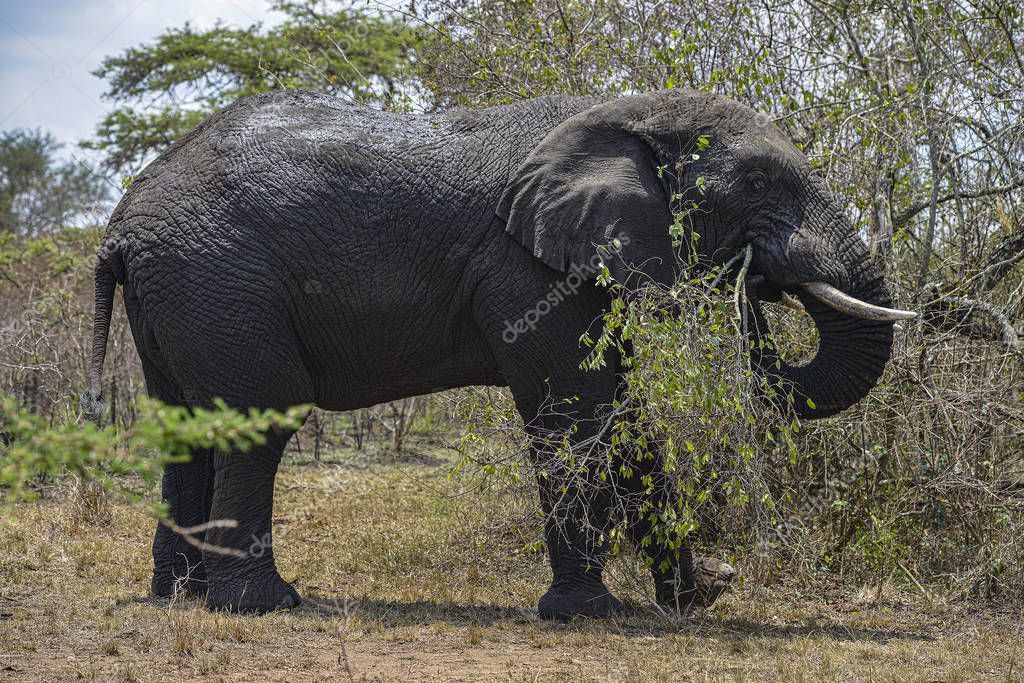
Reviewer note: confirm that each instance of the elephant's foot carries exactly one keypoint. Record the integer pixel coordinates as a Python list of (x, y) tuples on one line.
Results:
[(711, 578), (165, 585), (185, 574), (563, 602), (260, 593)]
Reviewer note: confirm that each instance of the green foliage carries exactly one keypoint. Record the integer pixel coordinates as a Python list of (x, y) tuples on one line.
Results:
[(497, 51), (694, 399), (492, 439), (38, 192), (693, 417), (126, 136), (186, 73), (31, 450), (26, 261)]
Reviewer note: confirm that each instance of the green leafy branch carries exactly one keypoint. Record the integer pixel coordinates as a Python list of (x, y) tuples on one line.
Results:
[(30, 450)]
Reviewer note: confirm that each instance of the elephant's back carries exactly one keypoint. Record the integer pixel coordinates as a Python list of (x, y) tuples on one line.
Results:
[(264, 193), (287, 150), (292, 156), (255, 169), (328, 184)]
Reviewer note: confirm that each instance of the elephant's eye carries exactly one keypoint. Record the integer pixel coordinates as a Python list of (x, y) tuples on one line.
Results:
[(757, 181)]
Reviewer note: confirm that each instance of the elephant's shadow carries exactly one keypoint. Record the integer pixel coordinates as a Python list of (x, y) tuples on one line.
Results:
[(637, 622)]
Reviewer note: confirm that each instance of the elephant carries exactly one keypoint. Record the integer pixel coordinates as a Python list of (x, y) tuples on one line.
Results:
[(294, 249)]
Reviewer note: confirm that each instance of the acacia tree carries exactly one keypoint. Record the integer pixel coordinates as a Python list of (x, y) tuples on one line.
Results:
[(166, 87)]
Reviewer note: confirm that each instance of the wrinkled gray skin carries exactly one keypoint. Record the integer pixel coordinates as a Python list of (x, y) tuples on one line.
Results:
[(294, 249)]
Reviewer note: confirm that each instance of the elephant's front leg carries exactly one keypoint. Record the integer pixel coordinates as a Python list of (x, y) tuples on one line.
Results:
[(243, 491), (576, 503), (681, 580)]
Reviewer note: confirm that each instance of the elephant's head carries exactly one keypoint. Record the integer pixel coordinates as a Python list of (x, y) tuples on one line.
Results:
[(618, 170)]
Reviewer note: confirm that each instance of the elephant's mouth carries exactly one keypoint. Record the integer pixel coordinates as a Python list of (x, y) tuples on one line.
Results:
[(855, 340)]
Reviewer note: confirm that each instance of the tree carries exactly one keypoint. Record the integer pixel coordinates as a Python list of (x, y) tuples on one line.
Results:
[(166, 87), (913, 110), (37, 191)]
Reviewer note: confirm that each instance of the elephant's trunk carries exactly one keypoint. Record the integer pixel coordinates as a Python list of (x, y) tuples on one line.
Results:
[(852, 351)]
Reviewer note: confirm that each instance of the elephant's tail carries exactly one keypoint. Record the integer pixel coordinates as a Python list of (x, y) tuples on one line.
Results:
[(91, 401)]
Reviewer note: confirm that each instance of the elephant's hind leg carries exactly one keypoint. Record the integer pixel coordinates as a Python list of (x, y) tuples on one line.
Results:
[(186, 487), (187, 490), (244, 493), (245, 578)]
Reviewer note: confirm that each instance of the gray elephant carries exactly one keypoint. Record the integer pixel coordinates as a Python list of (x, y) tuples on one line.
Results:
[(294, 249)]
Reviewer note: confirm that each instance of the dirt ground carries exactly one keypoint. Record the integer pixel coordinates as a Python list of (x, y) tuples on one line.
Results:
[(407, 578)]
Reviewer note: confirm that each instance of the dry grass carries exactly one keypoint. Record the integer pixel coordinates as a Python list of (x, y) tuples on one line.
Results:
[(408, 581)]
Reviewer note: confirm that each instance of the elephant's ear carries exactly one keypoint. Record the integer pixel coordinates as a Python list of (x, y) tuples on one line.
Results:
[(592, 190)]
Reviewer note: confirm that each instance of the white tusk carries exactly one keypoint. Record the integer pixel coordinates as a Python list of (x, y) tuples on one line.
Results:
[(855, 308)]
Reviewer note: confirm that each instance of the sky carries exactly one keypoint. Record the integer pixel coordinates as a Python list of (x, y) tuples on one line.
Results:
[(49, 47)]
